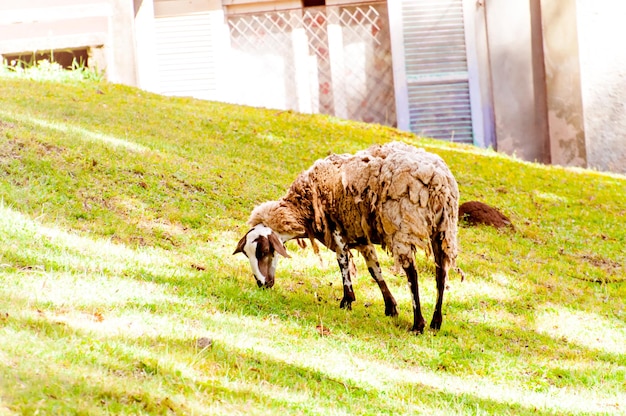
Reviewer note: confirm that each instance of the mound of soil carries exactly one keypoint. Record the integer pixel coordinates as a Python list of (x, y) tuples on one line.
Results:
[(475, 212)]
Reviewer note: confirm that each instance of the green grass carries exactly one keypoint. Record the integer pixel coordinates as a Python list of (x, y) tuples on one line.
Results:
[(119, 212)]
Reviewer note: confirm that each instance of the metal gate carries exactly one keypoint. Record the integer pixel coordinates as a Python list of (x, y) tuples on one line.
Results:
[(436, 69), (332, 60)]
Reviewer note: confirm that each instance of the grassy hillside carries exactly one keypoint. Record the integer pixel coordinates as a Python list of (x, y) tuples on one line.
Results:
[(119, 211)]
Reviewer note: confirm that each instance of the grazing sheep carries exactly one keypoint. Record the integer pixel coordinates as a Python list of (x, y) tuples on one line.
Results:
[(394, 195)]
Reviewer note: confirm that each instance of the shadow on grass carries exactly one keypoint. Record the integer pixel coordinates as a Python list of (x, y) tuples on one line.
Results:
[(308, 305), (227, 290), (540, 361), (159, 375)]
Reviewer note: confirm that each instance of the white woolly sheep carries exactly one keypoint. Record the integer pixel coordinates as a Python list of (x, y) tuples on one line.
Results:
[(394, 195)]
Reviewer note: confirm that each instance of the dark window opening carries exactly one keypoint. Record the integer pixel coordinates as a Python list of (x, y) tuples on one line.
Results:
[(67, 58), (313, 3)]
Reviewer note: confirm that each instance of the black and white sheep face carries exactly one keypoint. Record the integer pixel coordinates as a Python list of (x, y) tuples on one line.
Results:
[(260, 245)]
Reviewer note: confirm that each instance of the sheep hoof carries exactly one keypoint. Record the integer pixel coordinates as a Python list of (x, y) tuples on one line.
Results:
[(390, 310), (418, 327), (436, 325), (346, 304), (417, 330)]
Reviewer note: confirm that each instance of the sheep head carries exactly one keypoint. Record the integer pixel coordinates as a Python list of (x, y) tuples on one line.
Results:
[(260, 245)]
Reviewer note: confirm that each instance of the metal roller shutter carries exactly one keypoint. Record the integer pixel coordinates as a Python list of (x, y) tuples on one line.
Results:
[(186, 57), (436, 69)]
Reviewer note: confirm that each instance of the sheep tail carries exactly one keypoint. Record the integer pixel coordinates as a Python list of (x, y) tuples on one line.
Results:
[(459, 271)]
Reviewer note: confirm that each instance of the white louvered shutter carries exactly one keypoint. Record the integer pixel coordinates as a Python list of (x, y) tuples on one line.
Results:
[(436, 69), (185, 55)]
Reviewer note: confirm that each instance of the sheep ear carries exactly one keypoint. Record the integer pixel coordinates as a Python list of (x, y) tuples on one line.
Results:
[(278, 245), (241, 244)]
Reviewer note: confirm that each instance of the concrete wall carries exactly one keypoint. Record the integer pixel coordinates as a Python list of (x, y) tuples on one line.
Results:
[(145, 46), (562, 82), (519, 120), (601, 34), (121, 43), (37, 25), (536, 80)]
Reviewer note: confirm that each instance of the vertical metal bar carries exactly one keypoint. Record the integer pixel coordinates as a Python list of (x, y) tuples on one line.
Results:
[(400, 85), (478, 127)]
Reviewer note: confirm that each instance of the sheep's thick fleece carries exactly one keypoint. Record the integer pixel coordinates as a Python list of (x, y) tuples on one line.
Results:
[(394, 195)]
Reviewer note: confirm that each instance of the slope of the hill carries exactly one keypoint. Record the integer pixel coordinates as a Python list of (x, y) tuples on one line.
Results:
[(119, 211)]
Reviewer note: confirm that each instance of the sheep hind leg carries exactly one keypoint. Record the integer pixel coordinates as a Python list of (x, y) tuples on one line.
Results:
[(408, 264), (346, 266), (369, 254), (441, 273)]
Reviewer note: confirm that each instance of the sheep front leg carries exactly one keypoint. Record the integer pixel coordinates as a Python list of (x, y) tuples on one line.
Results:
[(346, 266), (369, 254), (344, 258), (408, 264)]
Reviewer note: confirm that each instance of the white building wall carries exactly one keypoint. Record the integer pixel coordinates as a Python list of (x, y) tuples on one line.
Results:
[(601, 36)]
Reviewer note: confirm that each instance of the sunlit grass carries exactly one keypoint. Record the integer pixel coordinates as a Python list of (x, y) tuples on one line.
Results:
[(604, 334), (74, 131), (119, 293)]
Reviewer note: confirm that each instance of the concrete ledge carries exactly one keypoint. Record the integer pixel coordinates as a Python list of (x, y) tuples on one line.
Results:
[(52, 43)]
